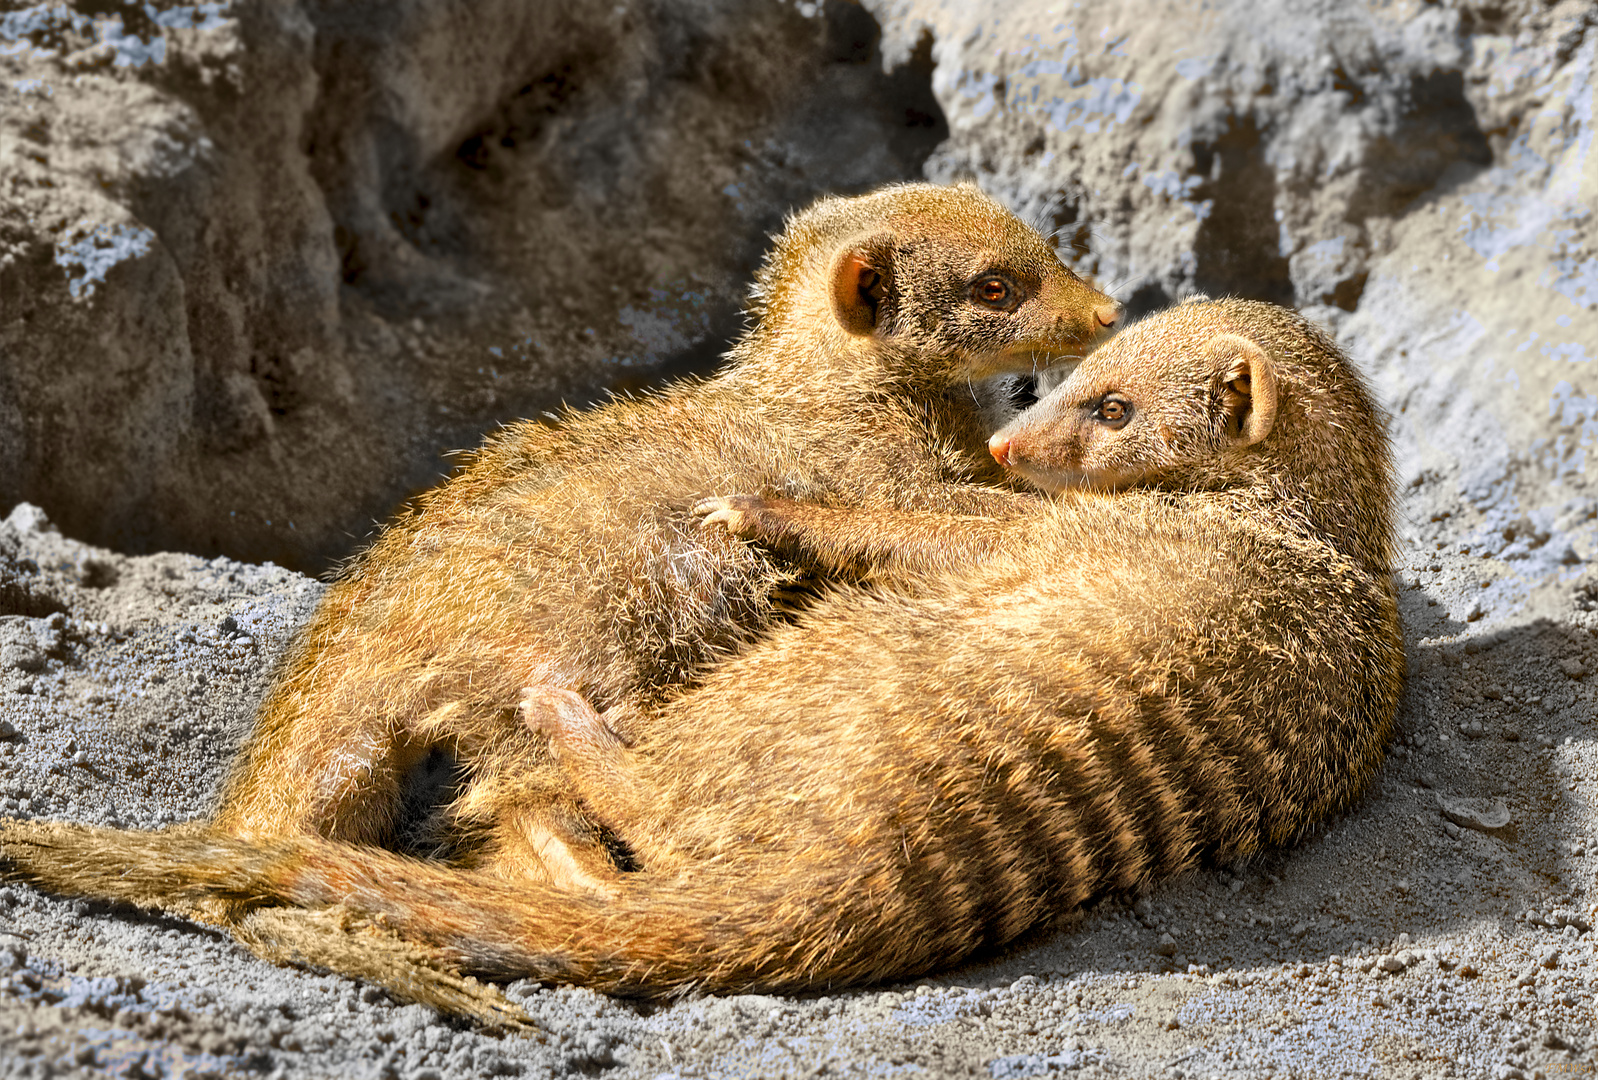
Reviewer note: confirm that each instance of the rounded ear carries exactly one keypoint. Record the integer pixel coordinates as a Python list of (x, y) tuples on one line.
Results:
[(862, 281), (1247, 381)]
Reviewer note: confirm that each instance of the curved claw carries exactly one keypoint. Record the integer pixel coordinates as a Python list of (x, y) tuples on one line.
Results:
[(726, 510)]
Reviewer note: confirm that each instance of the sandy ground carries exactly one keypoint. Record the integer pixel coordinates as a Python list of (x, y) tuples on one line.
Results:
[(1422, 935), (1440, 928)]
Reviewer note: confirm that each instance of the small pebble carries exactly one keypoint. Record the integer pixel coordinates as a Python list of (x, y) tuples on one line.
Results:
[(1573, 667), (1483, 815), (22, 658)]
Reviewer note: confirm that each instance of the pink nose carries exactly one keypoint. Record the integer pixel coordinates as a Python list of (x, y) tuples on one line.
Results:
[(999, 447), (1108, 314)]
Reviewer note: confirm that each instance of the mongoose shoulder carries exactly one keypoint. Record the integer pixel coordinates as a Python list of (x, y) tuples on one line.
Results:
[(1192, 653)]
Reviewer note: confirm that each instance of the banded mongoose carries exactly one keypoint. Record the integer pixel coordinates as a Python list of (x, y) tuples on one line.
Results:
[(1197, 664), (569, 555)]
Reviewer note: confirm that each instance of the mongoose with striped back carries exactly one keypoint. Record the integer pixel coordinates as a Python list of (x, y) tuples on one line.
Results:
[(568, 555), (1192, 653)]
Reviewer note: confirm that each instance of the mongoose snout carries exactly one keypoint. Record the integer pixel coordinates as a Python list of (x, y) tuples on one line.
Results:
[(1135, 415), (999, 447)]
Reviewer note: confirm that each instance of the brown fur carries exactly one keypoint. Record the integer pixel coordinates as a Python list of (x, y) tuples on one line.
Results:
[(566, 556), (1110, 688)]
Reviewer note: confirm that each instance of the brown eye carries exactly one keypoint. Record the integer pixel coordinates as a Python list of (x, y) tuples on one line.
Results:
[(995, 292), (1113, 412)]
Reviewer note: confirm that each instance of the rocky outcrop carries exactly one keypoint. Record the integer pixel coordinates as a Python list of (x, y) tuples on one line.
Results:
[(263, 263), (1418, 176)]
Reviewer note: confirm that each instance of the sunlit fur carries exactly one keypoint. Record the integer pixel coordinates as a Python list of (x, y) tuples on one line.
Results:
[(1180, 437), (1106, 689), (566, 555)]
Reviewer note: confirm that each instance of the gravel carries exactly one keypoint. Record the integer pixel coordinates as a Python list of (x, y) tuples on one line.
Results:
[(1382, 944)]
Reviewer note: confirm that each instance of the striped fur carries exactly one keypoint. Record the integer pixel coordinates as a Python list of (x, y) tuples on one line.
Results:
[(567, 555), (1114, 688)]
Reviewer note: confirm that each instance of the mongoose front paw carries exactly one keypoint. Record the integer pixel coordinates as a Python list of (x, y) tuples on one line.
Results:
[(734, 512)]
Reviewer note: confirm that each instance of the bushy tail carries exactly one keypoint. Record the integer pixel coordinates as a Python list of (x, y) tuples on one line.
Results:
[(710, 928), (192, 871), (415, 927), (187, 869)]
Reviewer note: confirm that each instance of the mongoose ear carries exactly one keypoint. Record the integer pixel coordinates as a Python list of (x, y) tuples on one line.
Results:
[(862, 280), (1246, 378)]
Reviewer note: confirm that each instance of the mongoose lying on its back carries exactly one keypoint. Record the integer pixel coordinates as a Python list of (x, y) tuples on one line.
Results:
[(1105, 689)]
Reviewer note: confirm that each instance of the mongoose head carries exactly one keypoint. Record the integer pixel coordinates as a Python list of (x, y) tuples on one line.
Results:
[(942, 282), (1214, 396), (1135, 416)]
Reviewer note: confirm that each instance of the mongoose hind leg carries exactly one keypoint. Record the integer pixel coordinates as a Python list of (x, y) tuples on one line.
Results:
[(340, 777), (497, 803), (593, 757), (541, 839)]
